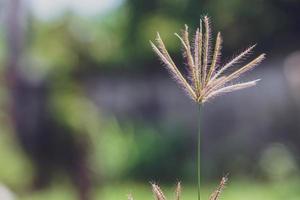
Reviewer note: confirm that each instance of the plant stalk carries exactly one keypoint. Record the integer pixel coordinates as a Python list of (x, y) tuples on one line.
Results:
[(198, 150)]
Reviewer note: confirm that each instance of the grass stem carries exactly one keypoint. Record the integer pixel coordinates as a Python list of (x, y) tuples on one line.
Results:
[(198, 150)]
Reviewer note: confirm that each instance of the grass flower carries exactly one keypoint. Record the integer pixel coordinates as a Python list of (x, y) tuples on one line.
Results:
[(207, 77), (216, 194), (159, 195)]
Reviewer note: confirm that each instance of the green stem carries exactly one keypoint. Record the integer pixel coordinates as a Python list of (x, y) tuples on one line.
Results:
[(198, 150)]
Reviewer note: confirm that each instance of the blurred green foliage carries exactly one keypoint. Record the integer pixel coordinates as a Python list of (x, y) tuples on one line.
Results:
[(16, 170), (236, 190), (131, 150), (120, 38)]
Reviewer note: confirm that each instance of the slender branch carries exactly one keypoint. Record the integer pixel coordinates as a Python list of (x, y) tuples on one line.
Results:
[(198, 150)]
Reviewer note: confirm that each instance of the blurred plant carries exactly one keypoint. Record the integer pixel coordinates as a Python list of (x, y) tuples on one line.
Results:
[(159, 195), (206, 77), (278, 163)]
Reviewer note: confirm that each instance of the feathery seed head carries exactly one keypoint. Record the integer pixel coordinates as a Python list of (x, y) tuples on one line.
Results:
[(206, 76), (178, 191), (159, 195), (216, 194)]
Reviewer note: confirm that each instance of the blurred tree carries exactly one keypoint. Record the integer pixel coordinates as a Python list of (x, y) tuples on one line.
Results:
[(49, 143)]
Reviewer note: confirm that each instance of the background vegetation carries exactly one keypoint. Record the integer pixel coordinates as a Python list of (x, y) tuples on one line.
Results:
[(88, 111)]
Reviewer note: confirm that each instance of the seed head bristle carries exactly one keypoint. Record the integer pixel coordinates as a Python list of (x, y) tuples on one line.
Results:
[(234, 61), (206, 48), (197, 61), (188, 54), (216, 56), (171, 67), (158, 194), (216, 194), (231, 88), (244, 69), (178, 191), (200, 51)]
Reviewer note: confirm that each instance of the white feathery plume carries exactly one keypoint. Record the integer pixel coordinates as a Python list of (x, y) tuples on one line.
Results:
[(207, 79)]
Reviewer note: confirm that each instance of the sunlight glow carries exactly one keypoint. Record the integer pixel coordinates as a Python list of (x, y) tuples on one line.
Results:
[(49, 9)]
